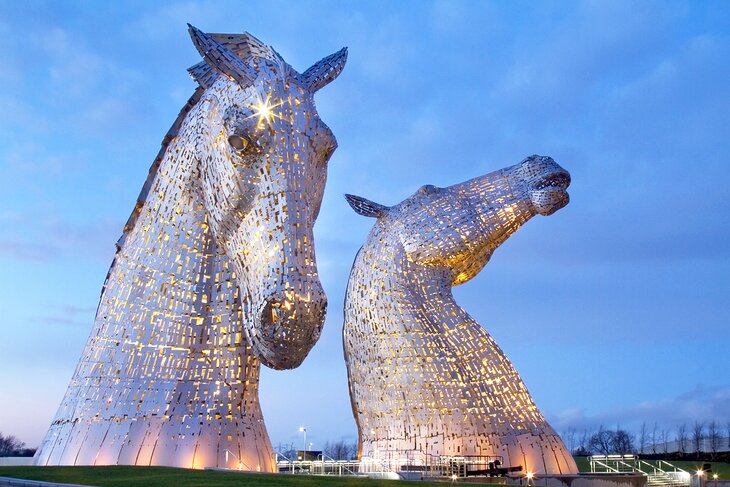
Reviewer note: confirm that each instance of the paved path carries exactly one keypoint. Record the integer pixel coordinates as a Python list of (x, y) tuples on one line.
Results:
[(11, 482)]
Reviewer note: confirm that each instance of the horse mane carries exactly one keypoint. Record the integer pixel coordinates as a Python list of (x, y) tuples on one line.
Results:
[(243, 45)]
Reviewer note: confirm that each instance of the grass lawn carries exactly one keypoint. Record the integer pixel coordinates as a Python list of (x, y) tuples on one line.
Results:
[(178, 477), (720, 468)]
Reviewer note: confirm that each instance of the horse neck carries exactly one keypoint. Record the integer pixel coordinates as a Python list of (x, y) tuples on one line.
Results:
[(167, 240), (383, 274)]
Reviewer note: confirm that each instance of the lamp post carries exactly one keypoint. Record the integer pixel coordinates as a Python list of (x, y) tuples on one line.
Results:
[(302, 429), (700, 478)]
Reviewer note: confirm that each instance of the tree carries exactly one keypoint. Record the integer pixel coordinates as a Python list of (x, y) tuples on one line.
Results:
[(682, 438), (10, 446), (642, 437), (569, 438), (727, 430), (665, 440), (607, 442), (698, 434), (340, 450), (713, 434), (288, 451), (654, 437), (583, 444), (623, 441), (601, 442)]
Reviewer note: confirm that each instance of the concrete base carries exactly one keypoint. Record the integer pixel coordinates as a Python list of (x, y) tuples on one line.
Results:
[(16, 461), (582, 480), (384, 476)]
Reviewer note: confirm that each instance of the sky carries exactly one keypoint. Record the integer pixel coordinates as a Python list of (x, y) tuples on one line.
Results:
[(614, 310)]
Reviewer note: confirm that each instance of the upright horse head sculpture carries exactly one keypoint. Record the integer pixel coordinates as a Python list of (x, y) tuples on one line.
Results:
[(425, 378), (214, 272), (263, 153)]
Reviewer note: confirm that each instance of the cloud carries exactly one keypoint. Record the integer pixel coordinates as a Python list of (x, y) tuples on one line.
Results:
[(27, 251), (702, 403), (66, 315), (51, 238), (77, 70)]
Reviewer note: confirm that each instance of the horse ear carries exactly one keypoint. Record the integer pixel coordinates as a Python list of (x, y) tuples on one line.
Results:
[(245, 45), (324, 71), (221, 59), (366, 207)]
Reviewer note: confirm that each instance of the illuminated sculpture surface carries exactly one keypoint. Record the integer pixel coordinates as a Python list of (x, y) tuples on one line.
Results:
[(215, 272), (426, 380)]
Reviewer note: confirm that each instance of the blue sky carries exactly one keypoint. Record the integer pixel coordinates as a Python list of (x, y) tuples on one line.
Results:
[(614, 310)]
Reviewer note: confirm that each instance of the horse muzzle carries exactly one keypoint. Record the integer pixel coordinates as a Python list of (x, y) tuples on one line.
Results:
[(287, 325)]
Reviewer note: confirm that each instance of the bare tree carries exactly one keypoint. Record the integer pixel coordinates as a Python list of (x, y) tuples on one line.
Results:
[(352, 451), (10, 446), (654, 437), (583, 443), (623, 441), (682, 437), (698, 434), (727, 430), (601, 442), (642, 437), (340, 450), (665, 440), (713, 434), (569, 438)]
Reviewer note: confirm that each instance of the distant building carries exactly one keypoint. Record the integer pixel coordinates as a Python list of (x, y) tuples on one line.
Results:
[(673, 446)]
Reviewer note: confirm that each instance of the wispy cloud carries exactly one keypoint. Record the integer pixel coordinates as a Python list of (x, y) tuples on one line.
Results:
[(702, 403), (48, 239), (28, 251), (66, 315)]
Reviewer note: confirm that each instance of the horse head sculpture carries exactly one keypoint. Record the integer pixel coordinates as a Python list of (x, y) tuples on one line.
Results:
[(263, 153), (425, 378), (459, 227), (215, 273)]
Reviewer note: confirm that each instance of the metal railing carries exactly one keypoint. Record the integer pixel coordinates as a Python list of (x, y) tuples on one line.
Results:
[(658, 472), (397, 463)]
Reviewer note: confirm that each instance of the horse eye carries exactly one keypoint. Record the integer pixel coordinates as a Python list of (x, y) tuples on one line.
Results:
[(239, 142)]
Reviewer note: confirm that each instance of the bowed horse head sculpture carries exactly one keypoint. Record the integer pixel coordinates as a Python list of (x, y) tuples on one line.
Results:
[(263, 154), (425, 378)]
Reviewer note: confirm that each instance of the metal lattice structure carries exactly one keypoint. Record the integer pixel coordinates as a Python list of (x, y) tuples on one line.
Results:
[(215, 272), (426, 380)]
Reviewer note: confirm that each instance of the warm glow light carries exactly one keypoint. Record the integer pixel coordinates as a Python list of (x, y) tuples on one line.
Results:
[(264, 109), (700, 473), (714, 476), (530, 475)]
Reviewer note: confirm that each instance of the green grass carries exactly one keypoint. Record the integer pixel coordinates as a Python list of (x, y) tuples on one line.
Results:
[(178, 477), (583, 465), (720, 468)]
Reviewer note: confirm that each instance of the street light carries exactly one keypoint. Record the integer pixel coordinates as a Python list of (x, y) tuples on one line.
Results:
[(302, 429)]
